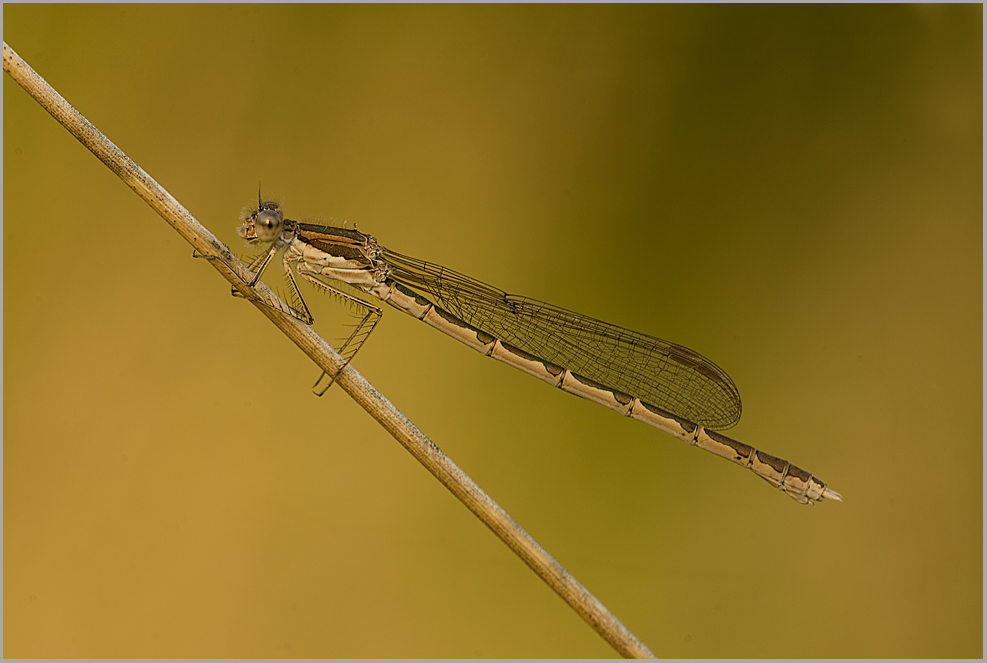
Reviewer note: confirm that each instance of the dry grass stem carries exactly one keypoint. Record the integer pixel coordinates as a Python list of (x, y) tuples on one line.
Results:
[(405, 432)]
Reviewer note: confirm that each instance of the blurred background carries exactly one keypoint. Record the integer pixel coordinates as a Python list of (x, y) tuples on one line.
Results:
[(795, 192)]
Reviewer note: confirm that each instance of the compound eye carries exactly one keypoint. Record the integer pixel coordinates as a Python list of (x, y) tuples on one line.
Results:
[(267, 225)]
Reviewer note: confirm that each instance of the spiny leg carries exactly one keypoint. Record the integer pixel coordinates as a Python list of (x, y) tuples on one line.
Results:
[(234, 291), (356, 339), (300, 310), (351, 346), (257, 265)]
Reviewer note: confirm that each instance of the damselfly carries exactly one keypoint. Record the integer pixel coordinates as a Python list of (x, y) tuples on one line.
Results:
[(668, 386)]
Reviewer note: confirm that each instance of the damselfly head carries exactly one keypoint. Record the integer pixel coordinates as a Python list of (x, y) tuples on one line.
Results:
[(263, 224)]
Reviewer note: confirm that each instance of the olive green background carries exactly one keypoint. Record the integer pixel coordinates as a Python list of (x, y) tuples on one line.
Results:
[(795, 192)]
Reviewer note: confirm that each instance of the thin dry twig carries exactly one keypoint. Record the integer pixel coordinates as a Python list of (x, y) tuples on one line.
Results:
[(405, 432)]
